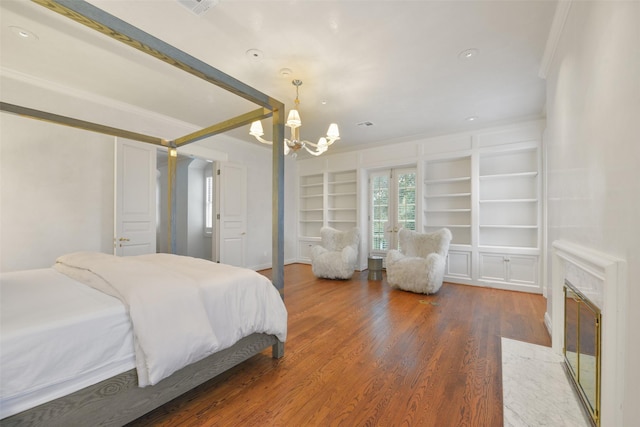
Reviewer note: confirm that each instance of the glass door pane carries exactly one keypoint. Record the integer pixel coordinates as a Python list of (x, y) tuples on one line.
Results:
[(406, 201), (380, 211), (393, 206)]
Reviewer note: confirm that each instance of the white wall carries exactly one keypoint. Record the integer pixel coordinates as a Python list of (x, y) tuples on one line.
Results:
[(593, 152), (56, 192)]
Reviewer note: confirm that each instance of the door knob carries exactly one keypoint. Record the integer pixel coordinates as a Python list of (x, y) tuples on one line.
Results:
[(123, 239)]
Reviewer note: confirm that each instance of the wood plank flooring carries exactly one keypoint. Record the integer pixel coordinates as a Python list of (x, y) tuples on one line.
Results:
[(361, 354)]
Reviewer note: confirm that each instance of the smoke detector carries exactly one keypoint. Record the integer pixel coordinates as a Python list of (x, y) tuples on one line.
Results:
[(199, 7)]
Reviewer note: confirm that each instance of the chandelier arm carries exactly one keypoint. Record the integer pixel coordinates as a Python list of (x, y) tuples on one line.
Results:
[(329, 141), (264, 141), (304, 141), (314, 153)]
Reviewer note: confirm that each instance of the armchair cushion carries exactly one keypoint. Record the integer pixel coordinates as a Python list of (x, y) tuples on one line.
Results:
[(337, 256), (419, 265)]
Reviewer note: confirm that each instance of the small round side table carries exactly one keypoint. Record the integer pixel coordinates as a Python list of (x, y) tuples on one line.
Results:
[(375, 268)]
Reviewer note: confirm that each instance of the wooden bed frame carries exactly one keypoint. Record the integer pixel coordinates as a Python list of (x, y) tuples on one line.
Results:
[(119, 400)]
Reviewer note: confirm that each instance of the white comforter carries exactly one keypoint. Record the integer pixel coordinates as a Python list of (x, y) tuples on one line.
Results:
[(182, 309)]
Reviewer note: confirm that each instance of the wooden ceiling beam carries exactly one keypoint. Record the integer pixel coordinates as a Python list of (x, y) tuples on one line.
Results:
[(227, 125), (80, 124)]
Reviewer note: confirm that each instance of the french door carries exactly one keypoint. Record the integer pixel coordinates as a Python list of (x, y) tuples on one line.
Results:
[(392, 206)]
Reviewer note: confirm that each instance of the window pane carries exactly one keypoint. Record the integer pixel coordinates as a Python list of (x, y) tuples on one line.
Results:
[(208, 209), (380, 211), (407, 200)]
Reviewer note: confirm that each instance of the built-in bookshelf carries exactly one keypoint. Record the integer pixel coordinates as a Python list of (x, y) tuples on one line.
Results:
[(311, 212), (486, 188), (325, 199), (509, 217), (447, 197), (508, 199), (342, 200)]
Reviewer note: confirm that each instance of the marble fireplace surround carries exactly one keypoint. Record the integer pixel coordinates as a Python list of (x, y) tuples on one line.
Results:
[(600, 277)]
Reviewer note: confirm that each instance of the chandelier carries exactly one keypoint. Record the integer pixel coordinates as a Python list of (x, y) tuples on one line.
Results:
[(294, 144)]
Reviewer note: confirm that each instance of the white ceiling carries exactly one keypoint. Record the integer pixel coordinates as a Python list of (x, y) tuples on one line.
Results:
[(393, 63)]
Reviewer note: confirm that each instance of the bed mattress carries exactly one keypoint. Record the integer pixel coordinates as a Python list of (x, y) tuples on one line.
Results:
[(62, 337)]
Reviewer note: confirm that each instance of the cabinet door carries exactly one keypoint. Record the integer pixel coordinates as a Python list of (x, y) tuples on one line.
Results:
[(458, 265), (493, 267), (304, 249), (523, 269), (508, 271)]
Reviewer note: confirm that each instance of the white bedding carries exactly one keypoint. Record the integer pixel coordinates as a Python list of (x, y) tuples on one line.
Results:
[(57, 336), (236, 301)]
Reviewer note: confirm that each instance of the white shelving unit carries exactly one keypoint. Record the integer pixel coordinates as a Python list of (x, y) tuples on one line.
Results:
[(509, 198), (509, 217), (448, 203), (342, 200), (325, 199), (311, 205), (485, 186), (447, 197)]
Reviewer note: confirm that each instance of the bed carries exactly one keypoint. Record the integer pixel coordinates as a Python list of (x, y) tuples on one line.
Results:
[(66, 342), (110, 395)]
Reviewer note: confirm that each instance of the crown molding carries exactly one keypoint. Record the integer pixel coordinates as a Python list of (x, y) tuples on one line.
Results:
[(555, 32)]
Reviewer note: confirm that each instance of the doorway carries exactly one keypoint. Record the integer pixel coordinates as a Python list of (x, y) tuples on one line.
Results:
[(194, 222), (392, 206)]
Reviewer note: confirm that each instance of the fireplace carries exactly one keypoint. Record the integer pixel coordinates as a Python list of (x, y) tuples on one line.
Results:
[(582, 348), (590, 284)]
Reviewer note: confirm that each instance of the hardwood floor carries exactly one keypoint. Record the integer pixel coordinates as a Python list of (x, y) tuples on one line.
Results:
[(361, 354)]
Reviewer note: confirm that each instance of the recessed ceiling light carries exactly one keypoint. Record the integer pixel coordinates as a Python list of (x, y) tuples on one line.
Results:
[(468, 54), (323, 102), (23, 34), (472, 118), (285, 72), (254, 54)]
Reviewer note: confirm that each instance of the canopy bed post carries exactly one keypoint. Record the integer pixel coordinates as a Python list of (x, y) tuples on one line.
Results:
[(172, 205), (277, 227)]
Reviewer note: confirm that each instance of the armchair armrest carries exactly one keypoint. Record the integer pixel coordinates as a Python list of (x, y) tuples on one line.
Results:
[(394, 255), (349, 255), (316, 251)]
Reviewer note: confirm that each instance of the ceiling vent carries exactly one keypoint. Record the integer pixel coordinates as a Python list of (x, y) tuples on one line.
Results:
[(199, 7)]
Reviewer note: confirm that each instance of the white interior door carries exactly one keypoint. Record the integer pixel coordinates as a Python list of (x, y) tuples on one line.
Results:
[(135, 198), (232, 217), (392, 195)]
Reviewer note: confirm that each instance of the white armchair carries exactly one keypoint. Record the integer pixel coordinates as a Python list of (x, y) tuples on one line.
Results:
[(420, 263), (337, 256)]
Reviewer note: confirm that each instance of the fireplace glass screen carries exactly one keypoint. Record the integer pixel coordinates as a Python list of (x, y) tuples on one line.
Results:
[(582, 348)]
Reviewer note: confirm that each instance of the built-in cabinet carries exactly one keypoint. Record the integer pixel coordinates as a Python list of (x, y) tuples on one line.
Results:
[(509, 216), (485, 187), (325, 199), (489, 198)]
